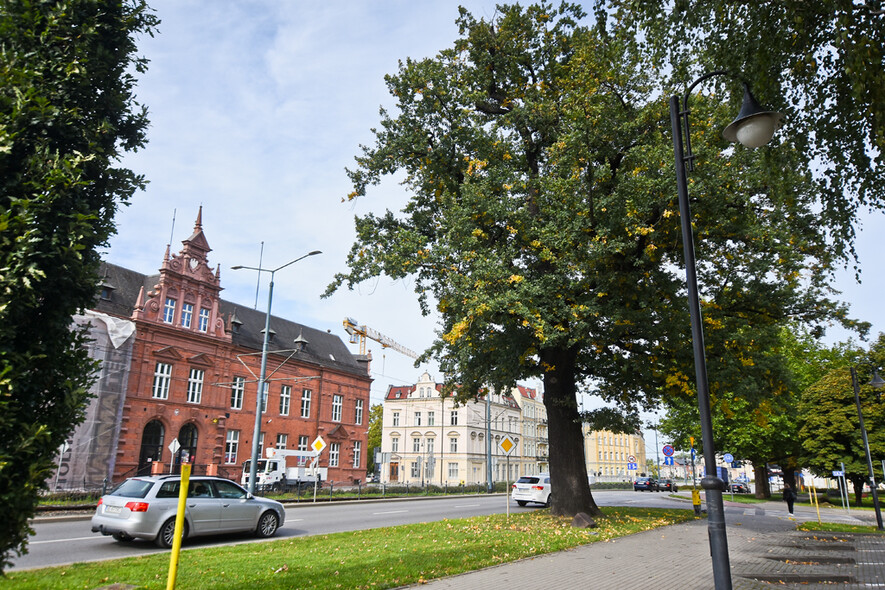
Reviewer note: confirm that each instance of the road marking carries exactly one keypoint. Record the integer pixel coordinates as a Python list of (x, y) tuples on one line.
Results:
[(466, 505), (391, 512), (63, 540)]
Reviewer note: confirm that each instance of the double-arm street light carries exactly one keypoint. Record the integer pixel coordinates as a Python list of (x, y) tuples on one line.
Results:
[(256, 431), (754, 127), (876, 382)]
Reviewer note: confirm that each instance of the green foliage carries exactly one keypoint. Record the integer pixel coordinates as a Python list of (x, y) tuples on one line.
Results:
[(830, 431), (374, 436), (66, 114), (821, 63), (543, 222)]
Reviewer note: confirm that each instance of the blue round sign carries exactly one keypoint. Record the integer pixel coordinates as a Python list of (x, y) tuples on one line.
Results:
[(728, 458), (668, 450)]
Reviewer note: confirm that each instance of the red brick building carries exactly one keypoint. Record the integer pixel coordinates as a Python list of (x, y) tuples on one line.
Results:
[(192, 376)]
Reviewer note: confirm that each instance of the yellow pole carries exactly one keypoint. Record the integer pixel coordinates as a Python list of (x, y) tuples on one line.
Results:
[(816, 503), (179, 525)]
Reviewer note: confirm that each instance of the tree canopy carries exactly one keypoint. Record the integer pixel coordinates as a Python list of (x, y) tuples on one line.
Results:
[(822, 63), (67, 113), (543, 222), (830, 431)]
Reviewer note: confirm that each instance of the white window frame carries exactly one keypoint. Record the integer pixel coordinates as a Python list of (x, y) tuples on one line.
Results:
[(204, 320), (394, 445), (395, 419), (416, 444), (337, 407), (162, 381), (305, 403), (282, 440), (431, 418), (357, 453), (169, 310), (231, 446), (285, 399), (453, 471), (358, 412), (453, 444), (187, 315), (302, 442), (237, 393), (334, 454), (195, 385), (453, 417), (417, 418)]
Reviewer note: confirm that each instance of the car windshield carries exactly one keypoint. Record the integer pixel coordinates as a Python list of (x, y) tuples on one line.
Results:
[(133, 488)]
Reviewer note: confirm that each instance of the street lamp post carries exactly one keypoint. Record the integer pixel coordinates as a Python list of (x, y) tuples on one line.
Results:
[(876, 382), (753, 127), (256, 431)]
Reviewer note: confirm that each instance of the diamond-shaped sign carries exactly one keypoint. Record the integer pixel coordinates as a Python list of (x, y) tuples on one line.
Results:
[(507, 444), (318, 444)]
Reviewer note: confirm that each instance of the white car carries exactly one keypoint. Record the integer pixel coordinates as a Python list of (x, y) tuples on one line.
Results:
[(532, 488)]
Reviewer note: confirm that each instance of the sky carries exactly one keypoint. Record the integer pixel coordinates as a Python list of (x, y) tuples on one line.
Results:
[(256, 109)]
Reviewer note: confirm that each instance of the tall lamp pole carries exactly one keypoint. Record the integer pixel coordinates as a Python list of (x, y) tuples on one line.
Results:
[(753, 127), (877, 383), (256, 431)]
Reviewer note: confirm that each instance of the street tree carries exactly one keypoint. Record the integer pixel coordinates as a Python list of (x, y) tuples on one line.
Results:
[(830, 431), (822, 63), (765, 429), (67, 113), (376, 414), (542, 223)]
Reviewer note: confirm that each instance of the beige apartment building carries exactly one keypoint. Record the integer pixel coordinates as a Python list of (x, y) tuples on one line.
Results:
[(609, 456), (428, 439)]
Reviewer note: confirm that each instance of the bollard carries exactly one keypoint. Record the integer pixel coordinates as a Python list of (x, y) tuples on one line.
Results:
[(696, 501)]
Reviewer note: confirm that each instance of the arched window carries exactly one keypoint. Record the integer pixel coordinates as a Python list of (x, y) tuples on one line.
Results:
[(151, 446)]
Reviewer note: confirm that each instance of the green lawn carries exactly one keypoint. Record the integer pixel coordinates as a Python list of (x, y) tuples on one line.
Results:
[(378, 558)]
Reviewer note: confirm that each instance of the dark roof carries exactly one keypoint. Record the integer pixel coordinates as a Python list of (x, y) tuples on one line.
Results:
[(322, 348)]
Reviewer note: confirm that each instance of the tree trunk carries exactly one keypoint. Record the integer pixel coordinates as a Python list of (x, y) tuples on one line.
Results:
[(760, 472), (858, 483), (568, 470)]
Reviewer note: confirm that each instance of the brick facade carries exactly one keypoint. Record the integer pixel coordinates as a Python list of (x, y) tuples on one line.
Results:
[(194, 369)]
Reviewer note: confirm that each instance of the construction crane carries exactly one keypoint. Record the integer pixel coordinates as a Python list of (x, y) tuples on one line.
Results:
[(359, 334)]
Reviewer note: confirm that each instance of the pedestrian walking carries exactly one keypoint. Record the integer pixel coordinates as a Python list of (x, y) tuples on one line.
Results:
[(789, 497)]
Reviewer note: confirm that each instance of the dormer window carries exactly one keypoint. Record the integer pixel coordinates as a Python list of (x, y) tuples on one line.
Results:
[(187, 315), (204, 319), (169, 311)]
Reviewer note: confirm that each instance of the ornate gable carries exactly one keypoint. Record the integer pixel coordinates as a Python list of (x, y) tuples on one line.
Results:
[(187, 293)]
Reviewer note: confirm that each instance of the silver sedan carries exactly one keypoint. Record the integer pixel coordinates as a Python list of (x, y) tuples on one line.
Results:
[(146, 508)]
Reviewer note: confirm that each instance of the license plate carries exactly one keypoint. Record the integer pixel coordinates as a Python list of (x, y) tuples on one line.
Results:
[(112, 509)]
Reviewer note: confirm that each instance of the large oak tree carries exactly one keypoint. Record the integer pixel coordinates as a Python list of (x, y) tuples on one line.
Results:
[(543, 222)]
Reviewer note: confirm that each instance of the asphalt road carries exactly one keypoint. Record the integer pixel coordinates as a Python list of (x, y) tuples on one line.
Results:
[(60, 542)]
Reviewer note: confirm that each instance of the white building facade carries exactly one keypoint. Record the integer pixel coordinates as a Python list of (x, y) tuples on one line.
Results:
[(429, 440)]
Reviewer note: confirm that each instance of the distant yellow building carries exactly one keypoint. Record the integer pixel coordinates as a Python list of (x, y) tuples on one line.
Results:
[(609, 455)]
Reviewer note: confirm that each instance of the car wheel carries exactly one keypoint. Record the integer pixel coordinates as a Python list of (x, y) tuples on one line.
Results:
[(521, 502), (267, 524), (122, 537), (166, 536), (549, 501)]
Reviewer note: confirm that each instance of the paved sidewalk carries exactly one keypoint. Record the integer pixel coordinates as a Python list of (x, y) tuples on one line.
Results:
[(765, 551)]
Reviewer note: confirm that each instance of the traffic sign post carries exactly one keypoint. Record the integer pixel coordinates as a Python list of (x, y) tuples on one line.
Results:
[(668, 451), (508, 445)]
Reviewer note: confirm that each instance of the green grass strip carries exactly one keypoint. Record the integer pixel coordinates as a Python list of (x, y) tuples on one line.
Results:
[(376, 558)]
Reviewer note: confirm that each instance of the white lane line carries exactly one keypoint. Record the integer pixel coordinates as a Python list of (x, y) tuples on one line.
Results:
[(466, 505), (95, 537), (391, 512)]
